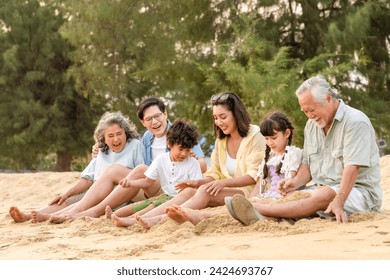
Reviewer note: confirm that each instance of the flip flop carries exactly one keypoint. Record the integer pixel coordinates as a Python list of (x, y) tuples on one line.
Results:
[(228, 202), (244, 210)]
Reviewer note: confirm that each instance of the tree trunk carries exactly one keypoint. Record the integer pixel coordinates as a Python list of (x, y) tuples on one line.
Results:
[(64, 161)]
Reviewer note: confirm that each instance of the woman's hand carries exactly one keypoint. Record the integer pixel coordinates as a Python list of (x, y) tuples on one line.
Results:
[(214, 187), (95, 150), (59, 199)]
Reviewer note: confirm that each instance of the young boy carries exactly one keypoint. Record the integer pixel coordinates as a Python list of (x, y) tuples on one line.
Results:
[(169, 168)]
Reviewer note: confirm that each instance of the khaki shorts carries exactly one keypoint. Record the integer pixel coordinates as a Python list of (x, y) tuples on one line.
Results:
[(155, 201)]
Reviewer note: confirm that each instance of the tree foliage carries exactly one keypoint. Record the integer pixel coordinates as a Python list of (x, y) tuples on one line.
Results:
[(113, 53), (40, 111)]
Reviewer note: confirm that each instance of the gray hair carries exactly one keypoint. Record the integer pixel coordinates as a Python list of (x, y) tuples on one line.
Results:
[(110, 118), (318, 87)]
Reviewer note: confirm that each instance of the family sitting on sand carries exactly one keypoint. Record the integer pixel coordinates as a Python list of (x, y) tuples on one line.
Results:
[(251, 166)]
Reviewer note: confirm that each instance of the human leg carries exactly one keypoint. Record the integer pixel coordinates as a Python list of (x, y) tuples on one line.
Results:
[(301, 208), (101, 188), (149, 219), (182, 215), (203, 199)]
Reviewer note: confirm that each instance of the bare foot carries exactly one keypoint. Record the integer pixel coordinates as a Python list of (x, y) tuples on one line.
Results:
[(108, 212), (18, 216), (147, 223), (122, 221), (173, 213), (59, 219), (38, 217), (181, 215)]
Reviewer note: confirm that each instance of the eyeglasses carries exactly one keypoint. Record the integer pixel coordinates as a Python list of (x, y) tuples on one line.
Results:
[(156, 117), (219, 97)]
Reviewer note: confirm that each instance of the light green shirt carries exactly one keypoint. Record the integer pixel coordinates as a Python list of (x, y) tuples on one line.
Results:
[(351, 140)]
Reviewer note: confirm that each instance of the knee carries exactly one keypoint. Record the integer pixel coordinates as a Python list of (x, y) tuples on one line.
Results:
[(112, 169), (324, 195), (188, 192), (201, 191)]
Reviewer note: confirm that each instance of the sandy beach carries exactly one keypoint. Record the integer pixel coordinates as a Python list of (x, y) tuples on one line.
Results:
[(365, 237)]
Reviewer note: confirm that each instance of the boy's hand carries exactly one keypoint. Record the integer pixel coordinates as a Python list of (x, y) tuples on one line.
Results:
[(125, 183), (186, 184)]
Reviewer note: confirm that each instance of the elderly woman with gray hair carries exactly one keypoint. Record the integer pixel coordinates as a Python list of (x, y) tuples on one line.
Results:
[(118, 142)]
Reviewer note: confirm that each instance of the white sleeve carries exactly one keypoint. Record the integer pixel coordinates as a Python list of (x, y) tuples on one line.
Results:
[(292, 159)]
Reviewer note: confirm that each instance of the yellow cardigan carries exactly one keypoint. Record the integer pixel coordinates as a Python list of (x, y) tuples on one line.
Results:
[(249, 155)]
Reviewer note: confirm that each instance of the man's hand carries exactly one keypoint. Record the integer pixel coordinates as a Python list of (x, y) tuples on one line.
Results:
[(286, 186), (337, 208)]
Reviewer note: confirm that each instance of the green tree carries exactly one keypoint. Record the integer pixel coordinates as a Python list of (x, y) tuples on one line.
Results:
[(40, 111)]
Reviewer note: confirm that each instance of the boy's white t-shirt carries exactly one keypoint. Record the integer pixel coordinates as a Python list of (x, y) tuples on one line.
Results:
[(159, 146), (171, 173)]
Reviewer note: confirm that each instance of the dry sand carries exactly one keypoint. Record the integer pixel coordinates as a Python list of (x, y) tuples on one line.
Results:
[(365, 237)]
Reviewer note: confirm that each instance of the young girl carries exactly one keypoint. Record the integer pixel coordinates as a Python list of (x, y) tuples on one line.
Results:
[(281, 161)]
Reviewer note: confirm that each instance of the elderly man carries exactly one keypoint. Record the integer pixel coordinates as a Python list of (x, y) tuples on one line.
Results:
[(340, 156)]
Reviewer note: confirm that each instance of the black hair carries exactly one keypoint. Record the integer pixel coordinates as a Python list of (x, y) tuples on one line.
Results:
[(148, 102), (183, 134), (274, 121), (234, 104)]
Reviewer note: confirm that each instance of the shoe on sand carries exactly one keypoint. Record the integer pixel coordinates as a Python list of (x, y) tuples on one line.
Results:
[(228, 202), (244, 210)]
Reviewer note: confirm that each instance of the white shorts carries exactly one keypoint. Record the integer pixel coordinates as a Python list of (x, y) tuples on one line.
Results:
[(354, 203)]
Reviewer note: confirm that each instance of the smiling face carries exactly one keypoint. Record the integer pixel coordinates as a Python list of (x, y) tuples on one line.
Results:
[(115, 137), (321, 113), (224, 119), (155, 121)]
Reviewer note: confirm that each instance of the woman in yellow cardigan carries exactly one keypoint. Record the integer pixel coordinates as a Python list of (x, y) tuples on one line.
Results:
[(239, 149)]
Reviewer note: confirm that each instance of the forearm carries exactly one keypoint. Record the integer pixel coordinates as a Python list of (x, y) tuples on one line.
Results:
[(348, 179), (205, 180), (81, 185), (203, 164), (302, 177), (242, 181), (141, 183)]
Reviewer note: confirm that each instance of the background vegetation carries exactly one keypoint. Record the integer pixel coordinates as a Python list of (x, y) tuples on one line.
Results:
[(63, 63)]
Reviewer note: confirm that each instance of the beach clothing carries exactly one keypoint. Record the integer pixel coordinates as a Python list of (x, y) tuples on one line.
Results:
[(147, 142), (130, 156), (248, 158), (155, 201), (291, 160), (171, 173), (355, 201), (350, 141), (159, 146), (230, 165)]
